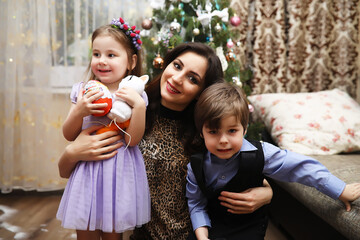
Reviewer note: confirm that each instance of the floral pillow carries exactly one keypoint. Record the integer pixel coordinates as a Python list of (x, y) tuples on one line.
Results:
[(319, 123)]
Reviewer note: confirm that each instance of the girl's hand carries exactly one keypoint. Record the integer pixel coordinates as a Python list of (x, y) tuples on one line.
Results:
[(85, 105), (88, 147), (131, 97), (247, 201), (350, 193), (136, 127)]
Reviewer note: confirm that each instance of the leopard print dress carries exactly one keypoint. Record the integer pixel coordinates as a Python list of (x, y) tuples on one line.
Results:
[(165, 162)]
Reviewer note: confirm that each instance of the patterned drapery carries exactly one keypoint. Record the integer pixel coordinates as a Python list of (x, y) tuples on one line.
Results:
[(301, 46)]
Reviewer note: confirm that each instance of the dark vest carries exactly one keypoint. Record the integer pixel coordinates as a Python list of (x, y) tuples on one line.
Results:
[(249, 175)]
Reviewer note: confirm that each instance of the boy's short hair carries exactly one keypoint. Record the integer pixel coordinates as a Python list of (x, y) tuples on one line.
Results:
[(218, 101)]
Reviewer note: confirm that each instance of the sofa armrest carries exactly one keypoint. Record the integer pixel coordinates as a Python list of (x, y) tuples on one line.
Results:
[(347, 168)]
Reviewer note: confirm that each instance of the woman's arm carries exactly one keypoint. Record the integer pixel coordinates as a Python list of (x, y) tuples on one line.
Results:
[(72, 124), (87, 147), (247, 201)]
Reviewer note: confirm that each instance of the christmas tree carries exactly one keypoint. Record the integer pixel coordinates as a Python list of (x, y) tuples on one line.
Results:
[(209, 21)]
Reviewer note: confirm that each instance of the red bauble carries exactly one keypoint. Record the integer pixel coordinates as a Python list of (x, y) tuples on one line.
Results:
[(235, 21), (229, 44)]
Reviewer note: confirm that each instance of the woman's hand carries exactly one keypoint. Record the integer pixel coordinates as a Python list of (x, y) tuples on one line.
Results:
[(87, 147), (247, 201)]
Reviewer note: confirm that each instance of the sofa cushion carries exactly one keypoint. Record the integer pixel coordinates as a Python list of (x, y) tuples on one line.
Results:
[(321, 123), (347, 168)]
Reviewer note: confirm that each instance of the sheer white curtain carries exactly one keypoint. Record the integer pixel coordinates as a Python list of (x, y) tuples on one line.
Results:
[(44, 46)]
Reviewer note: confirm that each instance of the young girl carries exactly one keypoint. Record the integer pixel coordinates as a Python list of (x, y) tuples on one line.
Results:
[(234, 164), (105, 198)]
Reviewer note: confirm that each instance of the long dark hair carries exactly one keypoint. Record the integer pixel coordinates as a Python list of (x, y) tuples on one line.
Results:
[(213, 74)]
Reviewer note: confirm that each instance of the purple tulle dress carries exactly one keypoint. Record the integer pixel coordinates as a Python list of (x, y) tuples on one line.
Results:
[(110, 195)]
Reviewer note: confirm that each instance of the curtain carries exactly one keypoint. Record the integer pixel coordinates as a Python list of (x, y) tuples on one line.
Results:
[(301, 46), (44, 48)]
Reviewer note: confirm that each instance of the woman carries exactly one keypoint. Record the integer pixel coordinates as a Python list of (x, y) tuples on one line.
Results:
[(167, 144)]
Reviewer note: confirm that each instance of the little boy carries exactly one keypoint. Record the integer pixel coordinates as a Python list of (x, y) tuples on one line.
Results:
[(231, 163)]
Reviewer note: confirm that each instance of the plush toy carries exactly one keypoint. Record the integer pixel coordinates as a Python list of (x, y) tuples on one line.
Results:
[(120, 112), (106, 98)]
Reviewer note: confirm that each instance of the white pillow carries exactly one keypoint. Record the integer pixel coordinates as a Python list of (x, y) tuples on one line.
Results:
[(319, 123)]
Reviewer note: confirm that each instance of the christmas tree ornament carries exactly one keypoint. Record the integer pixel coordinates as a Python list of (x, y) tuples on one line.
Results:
[(230, 55), (144, 33), (218, 28), (220, 53), (229, 43), (158, 62), (196, 31), (146, 24), (175, 26), (155, 41), (157, 4), (235, 20), (237, 81)]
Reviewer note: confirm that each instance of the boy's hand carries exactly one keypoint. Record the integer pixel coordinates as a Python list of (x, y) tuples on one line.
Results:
[(202, 233), (350, 193)]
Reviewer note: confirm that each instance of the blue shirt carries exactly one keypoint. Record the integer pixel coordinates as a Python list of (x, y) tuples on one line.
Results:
[(282, 165)]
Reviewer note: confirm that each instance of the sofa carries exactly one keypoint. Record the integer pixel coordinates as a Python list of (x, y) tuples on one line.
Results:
[(305, 213), (326, 126)]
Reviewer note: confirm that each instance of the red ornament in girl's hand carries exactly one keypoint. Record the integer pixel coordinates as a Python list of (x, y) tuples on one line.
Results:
[(235, 21), (106, 98)]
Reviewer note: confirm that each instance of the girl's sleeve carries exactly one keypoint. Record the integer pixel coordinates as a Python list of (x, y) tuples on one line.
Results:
[(145, 97), (76, 88)]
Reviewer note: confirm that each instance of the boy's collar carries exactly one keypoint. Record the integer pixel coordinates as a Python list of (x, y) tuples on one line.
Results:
[(247, 146)]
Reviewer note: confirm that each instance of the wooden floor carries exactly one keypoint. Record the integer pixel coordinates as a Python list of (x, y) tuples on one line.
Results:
[(31, 215)]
